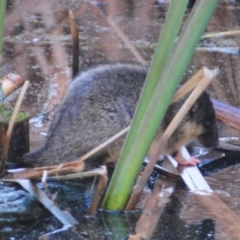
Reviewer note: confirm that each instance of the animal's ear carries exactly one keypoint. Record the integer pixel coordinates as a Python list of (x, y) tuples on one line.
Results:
[(195, 106)]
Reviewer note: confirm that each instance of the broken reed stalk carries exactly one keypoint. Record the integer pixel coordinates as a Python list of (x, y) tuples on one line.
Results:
[(64, 217), (98, 193), (58, 170), (221, 34), (142, 181), (55, 174), (13, 118), (188, 85), (75, 41), (125, 39)]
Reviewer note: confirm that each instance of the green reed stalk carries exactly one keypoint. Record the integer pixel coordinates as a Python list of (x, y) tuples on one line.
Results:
[(134, 151), (161, 58), (2, 17)]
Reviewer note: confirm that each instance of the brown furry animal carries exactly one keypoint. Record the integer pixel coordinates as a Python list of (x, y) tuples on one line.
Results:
[(101, 102)]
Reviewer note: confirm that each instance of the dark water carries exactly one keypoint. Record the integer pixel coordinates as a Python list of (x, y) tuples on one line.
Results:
[(37, 45)]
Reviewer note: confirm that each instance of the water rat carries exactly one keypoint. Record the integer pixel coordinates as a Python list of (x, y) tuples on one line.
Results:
[(99, 103)]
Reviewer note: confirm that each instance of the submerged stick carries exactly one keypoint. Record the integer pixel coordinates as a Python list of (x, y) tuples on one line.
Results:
[(30, 173), (75, 40), (123, 36), (98, 193)]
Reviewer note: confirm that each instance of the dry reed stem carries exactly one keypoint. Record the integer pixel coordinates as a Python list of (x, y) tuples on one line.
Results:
[(59, 170), (75, 44), (13, 118), (55, 175), (221, 34), (98, 194), (42, 197), (62, 216), (124, 38), (93, 173), (188, 85)]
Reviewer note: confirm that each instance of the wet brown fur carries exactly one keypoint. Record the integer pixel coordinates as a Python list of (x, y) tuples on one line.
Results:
[(99, 103)]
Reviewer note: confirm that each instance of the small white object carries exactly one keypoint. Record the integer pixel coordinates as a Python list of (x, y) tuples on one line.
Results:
[(191, 174)]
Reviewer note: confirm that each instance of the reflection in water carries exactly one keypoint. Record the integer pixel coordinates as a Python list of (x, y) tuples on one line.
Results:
[(37, 45)]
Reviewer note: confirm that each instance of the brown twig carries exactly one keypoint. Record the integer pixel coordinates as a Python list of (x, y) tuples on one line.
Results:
[(62, 216), (13, 118), (124, 38), (221, 34), (188, 85), (98, 194), (75, 40)]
